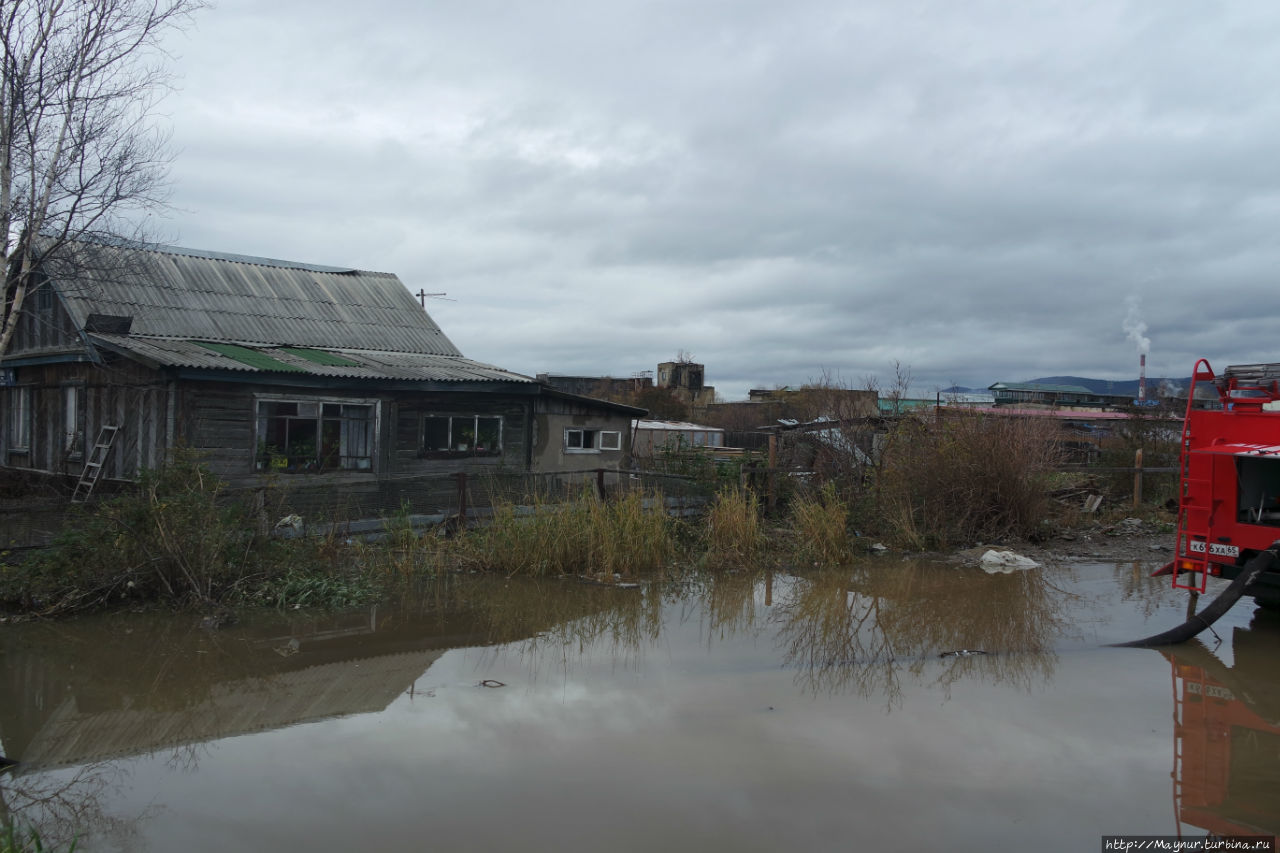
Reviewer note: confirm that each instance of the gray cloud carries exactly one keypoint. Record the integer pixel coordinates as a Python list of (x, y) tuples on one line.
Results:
[(973, 190)]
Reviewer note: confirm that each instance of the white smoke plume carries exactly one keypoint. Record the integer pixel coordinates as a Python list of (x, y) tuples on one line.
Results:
[(1134, 327)]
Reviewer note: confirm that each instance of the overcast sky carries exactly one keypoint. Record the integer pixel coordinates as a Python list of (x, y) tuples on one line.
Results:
[(980, 191)]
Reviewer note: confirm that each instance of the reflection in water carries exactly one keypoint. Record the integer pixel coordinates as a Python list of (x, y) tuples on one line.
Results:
[(81, 695), (67, 806), (1133, 581), (1227, 734), (861, 630)]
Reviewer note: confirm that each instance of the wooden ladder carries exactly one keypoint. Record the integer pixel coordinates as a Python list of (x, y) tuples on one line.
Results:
[(93, 465)]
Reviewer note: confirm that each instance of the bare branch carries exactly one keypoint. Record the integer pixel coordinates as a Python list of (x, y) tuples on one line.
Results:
[(79, 153)]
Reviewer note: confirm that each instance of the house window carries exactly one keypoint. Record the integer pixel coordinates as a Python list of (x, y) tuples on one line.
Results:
[(297, 436), (73, 420), (20, 420), (447, 436), (591, 440)]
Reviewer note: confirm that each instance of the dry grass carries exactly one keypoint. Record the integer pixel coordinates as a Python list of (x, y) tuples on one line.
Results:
[(734, 536), (583, 535), (820, 523)]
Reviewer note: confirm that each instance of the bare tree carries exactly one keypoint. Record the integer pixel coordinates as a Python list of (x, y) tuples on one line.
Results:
[(80, 153)]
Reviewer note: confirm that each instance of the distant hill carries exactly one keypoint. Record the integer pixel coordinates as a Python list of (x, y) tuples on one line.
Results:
[(1128, 387)]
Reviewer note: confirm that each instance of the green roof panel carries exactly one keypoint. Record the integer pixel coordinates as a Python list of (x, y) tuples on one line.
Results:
[(251, 357)]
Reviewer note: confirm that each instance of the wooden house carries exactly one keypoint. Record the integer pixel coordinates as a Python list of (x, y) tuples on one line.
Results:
[(331, 377)]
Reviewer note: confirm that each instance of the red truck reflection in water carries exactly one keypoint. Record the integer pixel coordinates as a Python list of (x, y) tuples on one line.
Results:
[(1226, 736)]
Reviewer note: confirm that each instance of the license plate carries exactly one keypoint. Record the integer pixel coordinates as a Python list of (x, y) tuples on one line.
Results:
[(1216, 549)]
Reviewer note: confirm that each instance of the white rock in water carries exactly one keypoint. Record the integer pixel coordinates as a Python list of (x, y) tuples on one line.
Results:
[(1005, 562)]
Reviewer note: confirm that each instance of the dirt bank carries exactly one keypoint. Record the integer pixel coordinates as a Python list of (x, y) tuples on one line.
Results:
[(1126, 540)]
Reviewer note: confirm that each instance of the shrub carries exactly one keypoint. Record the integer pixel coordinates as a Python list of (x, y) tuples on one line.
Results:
[(177, 538), (967, 477), (171, 537)]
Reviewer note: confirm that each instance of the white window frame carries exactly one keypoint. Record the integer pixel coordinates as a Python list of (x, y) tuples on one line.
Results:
[(373, 425), (587, 440)]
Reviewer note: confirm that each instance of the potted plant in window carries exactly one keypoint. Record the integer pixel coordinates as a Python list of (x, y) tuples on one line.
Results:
[(302, 455), (466, 437), (268, 457)]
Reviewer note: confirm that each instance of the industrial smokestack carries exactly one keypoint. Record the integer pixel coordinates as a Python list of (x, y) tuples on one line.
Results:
[(1142, 377)]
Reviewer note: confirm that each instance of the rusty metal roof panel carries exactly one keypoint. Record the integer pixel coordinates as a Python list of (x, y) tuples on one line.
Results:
[(182, 293)]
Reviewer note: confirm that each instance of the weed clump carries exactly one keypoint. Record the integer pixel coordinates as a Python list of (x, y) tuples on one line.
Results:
[(583, 535), (734, 535), (820, 524)]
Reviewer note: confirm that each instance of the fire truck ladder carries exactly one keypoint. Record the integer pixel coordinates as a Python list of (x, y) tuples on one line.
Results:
[(1179, 735), (93, 465), (1195, 500)]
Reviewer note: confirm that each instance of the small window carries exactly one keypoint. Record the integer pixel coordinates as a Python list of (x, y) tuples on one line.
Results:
[(591, 440), (580, 439), (450, 436)]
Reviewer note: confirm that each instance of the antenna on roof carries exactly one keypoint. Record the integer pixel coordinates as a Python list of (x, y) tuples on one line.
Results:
[(422, 297)]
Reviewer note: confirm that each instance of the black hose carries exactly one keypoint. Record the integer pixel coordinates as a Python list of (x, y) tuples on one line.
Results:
[(1220, 605)]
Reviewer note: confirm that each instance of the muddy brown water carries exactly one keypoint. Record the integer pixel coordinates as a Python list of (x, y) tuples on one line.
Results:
[(742, 711)]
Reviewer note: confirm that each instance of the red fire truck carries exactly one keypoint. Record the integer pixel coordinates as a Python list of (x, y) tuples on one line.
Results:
[(1229, 497)]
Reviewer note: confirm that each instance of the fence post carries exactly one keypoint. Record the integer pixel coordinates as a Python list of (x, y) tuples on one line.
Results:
[(772, 501), (1137, 478), (600, 482)]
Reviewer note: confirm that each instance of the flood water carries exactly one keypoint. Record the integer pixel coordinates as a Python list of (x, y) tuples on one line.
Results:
[(736, 712)]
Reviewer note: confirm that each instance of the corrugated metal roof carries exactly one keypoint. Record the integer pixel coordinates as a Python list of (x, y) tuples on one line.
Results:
[(644, 423), (183, 293), (1036, 386), (348, 364)]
